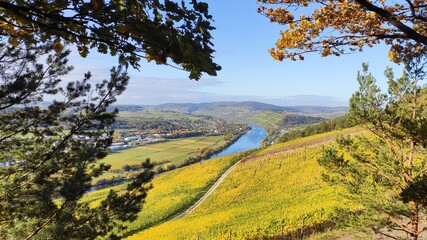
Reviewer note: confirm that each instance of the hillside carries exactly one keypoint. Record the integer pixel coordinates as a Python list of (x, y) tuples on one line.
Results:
[(172, 191), (235, 109), (277, 192), (276, 119), (230, 109)]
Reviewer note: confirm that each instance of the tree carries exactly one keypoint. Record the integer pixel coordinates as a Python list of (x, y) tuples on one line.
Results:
[(336, 27), (49, 153), (387, 170), (153, 29)]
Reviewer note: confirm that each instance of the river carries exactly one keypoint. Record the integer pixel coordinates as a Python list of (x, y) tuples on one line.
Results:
[(250, 140)]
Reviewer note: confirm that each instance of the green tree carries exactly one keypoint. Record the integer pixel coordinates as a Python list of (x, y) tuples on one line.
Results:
[(49, 153), (384, 170), (153, 29)]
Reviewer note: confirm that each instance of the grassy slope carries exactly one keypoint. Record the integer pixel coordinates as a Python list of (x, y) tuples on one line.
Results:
[(281, 186), (173, 191)]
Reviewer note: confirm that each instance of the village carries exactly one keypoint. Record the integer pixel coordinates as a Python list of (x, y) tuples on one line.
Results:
[(127, 139)]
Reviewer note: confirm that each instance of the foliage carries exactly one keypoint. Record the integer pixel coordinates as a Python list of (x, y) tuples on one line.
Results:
[(385, 172), (293, 120), (265, 194), (322, 127), (154, 30), (336, 27), (46, 167)]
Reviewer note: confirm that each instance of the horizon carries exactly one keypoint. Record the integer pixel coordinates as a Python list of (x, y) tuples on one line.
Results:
[(242, 39), (185, 103)]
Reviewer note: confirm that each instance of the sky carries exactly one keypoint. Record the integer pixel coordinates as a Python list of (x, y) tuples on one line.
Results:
[(241, 40)]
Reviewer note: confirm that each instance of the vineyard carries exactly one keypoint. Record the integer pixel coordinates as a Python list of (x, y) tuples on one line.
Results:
[(173, 191), (278, 192)]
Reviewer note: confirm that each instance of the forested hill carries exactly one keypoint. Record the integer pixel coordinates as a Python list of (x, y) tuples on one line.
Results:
[(224, 109), (202, 107)]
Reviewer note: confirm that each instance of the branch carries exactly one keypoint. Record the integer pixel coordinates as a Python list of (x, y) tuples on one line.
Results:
[(409, 32), (400, 224), (47, 222), (387, 235)]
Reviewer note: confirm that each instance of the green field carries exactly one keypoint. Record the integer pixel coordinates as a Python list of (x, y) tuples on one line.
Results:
[(173, 191), (275, 193), (171, 152)]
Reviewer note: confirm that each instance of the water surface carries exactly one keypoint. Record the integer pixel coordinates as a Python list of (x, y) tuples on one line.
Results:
[(250, 140)]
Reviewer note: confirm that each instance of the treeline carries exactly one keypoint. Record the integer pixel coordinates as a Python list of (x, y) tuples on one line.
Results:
[(292, 120), (322, 127), (151, 124)]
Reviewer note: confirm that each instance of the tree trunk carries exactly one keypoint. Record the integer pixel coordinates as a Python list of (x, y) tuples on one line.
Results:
[(414, 220)]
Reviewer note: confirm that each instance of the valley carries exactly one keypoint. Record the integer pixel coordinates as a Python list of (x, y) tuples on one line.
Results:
[(268, 193), (272, 191), (213, 120)]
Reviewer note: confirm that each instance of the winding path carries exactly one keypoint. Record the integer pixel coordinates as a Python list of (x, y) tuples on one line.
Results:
[(208, 193), (311, 142)]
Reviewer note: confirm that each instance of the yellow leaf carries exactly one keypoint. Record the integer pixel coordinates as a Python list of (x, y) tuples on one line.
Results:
[(57, 46), (13, 41)]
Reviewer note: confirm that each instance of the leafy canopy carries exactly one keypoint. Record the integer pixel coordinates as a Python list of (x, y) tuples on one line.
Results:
[(336, 27), (153, 29)]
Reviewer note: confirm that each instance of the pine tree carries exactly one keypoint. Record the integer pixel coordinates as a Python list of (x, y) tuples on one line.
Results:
[(384, 170), (49, 152)]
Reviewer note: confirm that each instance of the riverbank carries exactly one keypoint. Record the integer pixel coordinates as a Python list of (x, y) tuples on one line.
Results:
[(250, 140), (245, 140)]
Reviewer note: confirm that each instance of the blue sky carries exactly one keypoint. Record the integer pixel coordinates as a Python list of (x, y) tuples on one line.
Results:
[(249, 73)]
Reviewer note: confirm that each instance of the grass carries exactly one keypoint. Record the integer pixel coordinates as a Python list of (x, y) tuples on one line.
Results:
[(273, 193), (173, 191), (173, 151)]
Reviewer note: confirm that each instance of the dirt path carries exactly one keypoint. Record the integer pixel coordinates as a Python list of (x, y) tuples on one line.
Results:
[(224, 175), (207, 194)]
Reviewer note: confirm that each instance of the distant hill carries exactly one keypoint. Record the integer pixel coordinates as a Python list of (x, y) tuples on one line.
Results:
[(201, 108)]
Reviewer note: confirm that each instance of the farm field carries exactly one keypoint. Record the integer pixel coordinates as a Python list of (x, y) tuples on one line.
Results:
[(274, 193), (171, 152), (173, 191)]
